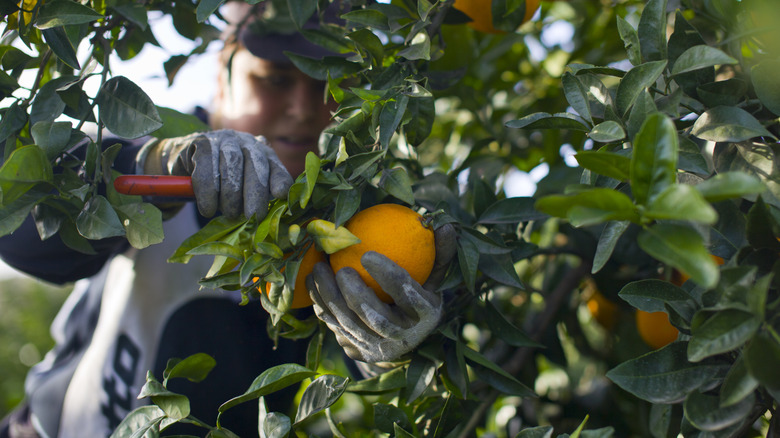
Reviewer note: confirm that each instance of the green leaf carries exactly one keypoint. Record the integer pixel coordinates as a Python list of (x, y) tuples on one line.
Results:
[(385, 382), (511, 211), (634, 82), (52, 137), (728, 185), (419, 375), (329, 237), (312, 167), (23, 169), (420, 48), (549, 121), (98, 220), (705, 412), (505, 330), (764, 78), (609, 238), (724, 331), (63, 13), (421, 113), (698, 57), (728, 124), (387, 417), (320, 394), (536, 432), (142, 222), (590, 207), (397, 183), (738, 384), (662, 376), (683, 248), (217, 249), (126, 110), (177, 124), (654, 158), (60, 44), (206, 8), (681, 202), (12, 215), (494, 375), (607, 132), (630, 40), (576, 95), (321, 69), (605, 163), (500, 268), (138, 422), (651, 295), (468, 259), (370, 18), (640, 111), (276, 425), (269, 381), (217, 228), (194, 368), (762, 355), (13, 120), (652, 30), (390, 118)]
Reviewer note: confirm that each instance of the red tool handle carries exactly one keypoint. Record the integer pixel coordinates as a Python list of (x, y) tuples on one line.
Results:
[(154, 185)]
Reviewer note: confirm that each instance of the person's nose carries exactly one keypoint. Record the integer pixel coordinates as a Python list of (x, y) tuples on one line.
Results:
[(304, 101)]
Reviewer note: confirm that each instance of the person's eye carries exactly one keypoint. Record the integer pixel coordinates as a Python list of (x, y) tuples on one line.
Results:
[(279, 81)]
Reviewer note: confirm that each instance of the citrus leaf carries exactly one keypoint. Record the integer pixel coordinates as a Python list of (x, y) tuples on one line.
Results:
[(269, 381), (728, 185), (511, 211), (652, 30), (651, 295), (549, 121), (705, 412), (683, 248), (607, 242), (276, 425), (738, 384), (320, 394), (762, 355), (396, 182), (681, 202), (764, 77), (24, 168), (630, 41), (728, 124), (654, 158), (605, 163), (329, 237), (177, 124), (698, 57), (63, 13), (494, 375), (142, 222), (98, 220), (576, 95), (607, 132), (663, 375), (634, 82), (724, 331), (126, 109)]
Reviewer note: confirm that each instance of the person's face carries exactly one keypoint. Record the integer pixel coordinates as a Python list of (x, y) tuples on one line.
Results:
[(276, 101)]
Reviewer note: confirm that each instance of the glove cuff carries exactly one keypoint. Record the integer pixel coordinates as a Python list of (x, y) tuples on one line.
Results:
[(149, 160)]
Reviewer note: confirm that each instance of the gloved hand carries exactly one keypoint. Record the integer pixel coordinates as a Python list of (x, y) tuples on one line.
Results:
[(368, 329), (233, 172)]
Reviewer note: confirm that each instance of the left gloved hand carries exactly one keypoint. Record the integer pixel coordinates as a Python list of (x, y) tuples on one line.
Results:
[(368, 329)]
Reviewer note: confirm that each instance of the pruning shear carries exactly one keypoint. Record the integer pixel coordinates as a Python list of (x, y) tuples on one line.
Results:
[(155, 185)]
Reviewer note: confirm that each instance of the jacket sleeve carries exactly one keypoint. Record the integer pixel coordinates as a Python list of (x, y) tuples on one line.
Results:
[(53, 261)]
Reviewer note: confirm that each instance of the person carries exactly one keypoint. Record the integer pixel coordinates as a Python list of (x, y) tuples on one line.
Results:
[(130, 311)]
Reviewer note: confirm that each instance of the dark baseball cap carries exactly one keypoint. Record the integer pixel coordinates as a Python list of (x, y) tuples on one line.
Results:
[(267, 29)]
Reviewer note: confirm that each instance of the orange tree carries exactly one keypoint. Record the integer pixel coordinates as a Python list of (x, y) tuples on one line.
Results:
[(657, 124)]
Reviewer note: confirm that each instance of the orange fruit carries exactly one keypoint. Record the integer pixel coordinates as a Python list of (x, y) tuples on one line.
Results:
[(603, 310), (399, 233), (655, 329), (301, 296), (481, 13), (678, 278)]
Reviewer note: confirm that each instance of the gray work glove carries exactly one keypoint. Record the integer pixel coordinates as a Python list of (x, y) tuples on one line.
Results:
[(368, 329), (233, 172)]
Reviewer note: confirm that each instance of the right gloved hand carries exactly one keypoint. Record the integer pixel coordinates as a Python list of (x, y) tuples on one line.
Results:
[(233, 172)]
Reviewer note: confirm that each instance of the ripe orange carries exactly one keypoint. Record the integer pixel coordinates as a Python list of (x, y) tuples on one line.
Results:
[(301, 296), (481, 13), (603, 310), (655, 329), (396, 231)]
